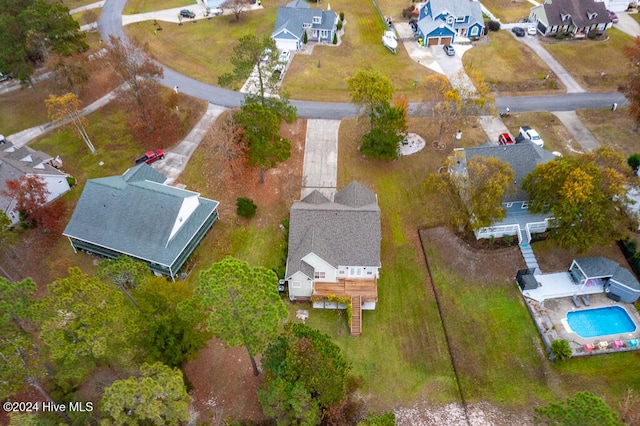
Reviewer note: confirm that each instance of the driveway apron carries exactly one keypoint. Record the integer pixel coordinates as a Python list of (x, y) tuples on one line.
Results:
[(575, 126), (320, 169)]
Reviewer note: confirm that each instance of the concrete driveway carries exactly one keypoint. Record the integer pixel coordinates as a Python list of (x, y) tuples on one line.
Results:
[(627, 24), (493, 127), (320, 169), (578, 130), (453, 68)]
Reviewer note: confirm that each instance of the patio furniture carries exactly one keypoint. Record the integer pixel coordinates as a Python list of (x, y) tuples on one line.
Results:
[(589, 347), (576, 301), (585, 300), (632, 343), (617, 344), (603, 345)]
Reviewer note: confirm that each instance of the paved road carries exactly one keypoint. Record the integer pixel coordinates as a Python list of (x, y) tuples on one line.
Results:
[(110, 23)]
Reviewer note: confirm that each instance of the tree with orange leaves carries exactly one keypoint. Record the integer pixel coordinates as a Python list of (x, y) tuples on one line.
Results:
[(631, 90)]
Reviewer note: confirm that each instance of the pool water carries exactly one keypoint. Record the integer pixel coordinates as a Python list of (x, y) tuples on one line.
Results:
[(600, 321)]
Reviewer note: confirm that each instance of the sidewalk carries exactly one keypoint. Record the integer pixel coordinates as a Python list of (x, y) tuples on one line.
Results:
[(578, 130), (171, 15)]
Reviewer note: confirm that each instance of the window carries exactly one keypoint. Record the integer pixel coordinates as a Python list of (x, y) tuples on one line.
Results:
[(319, 274), (509, 205), (341, 271), (525, 205), (305, 26), (296, 284), (355, 271), (369, 272), (473, 32), (460, 19), (317, 20), (449, 19)]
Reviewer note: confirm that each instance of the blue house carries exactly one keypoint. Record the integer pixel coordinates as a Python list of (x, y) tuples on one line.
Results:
[(296, 19), (441, 21)]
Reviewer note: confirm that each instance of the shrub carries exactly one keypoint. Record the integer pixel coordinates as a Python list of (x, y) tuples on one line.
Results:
[(634, 161), (561, 36), (335, 38), (341, 16), (339, 26), (305, 38), (493, 25), (246, 207), (560, 349), (71, 181)]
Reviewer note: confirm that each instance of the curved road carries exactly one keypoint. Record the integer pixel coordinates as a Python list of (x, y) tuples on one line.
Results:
[(110, 23)]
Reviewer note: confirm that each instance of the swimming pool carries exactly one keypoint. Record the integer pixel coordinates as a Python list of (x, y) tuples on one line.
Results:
[(600, 321)]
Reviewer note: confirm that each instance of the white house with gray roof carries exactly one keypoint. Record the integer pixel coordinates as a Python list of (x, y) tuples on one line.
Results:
[(297, 18), (137, 215), (334, 250), (21, 162), (523, 158)]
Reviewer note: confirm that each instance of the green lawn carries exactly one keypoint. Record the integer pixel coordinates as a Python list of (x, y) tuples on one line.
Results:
[(603, 75), (614, 128), (73, 4), (550, 128), (141, 6), (513, 66), (22, 109), (88, 16), (508, 11)]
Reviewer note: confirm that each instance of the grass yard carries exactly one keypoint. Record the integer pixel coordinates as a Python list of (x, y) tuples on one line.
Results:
[(600, 76), (201, 50), (21, 109), (513, 66), (73, 4), (613, 128), (508, 11), (141, 6), (319, 76), (88, 16)]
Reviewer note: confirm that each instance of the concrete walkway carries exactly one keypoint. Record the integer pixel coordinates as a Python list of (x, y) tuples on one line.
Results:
[(25, 136), (95, 5), (569, 82), (320, 168), (493, 127), (176, 160), (578, 130)]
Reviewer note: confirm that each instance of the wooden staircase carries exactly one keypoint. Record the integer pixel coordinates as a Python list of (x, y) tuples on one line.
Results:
[(356, 316)]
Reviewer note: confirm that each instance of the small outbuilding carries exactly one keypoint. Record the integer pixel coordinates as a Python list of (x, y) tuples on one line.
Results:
[(618, 282)]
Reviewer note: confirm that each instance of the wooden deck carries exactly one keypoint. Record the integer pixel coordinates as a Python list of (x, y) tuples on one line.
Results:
[(356, 316), (366, 288)]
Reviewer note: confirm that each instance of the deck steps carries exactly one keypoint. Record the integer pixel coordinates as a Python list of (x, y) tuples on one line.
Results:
[(356, 316), (529, 257)]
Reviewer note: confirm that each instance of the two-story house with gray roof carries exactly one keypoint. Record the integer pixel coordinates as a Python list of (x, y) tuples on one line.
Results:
[(20, 162), (297, 18), (441, 21), (334, 250), (575, 17), (137, 215), (523, 158)]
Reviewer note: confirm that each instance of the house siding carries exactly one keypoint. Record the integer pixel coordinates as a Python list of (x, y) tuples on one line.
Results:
[(627, 295), (300, 287)]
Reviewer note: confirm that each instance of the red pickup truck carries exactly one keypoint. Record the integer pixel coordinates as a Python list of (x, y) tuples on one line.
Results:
[(505, 139), (151, 157)]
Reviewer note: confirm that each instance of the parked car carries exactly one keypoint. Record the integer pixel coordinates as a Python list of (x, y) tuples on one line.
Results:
[(151, 157), (265, 55), (518, 31), (285, 55), (531, 30), (186, 13), (505, 139), (613, 17), (530, 134), (449, 50)]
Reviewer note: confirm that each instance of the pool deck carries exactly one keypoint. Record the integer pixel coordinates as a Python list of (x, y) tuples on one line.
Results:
[(559, 284), (550, 320)]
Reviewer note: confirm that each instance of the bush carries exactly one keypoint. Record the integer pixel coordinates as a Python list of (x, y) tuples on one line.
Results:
[(305, 38), (341, 16), (560, 349), (561, 36), (339, 26), (335, 38), (493, 25), (71, 181), (246, 207), (634, 161)]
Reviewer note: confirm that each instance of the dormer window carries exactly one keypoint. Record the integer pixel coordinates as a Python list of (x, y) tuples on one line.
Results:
[(317, 19), (592, 15), (449, 19), (565, 17)]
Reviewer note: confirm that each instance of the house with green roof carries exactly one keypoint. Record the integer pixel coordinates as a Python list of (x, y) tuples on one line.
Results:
[(334, 250), (137, 215)]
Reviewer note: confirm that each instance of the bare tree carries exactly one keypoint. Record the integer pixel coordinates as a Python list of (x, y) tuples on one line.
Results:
[(237, 7), (67, 107), (129, 62)]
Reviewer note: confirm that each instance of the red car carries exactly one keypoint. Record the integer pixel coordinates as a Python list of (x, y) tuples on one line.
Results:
[(505, 139), (151, 157)]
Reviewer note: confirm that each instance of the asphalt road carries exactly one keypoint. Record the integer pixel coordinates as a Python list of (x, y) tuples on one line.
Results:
[(110, 23)]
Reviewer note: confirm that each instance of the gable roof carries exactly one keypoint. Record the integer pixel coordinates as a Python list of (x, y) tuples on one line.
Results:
[(17, 162), (290, 21), (455, 8), (578, 12), (522, 158), (600, 267), (345, 232), (135, 214)]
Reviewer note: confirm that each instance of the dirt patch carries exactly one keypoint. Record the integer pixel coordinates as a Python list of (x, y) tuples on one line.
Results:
[(552, 258), (483, 265), (480, 414), (223, 384)]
